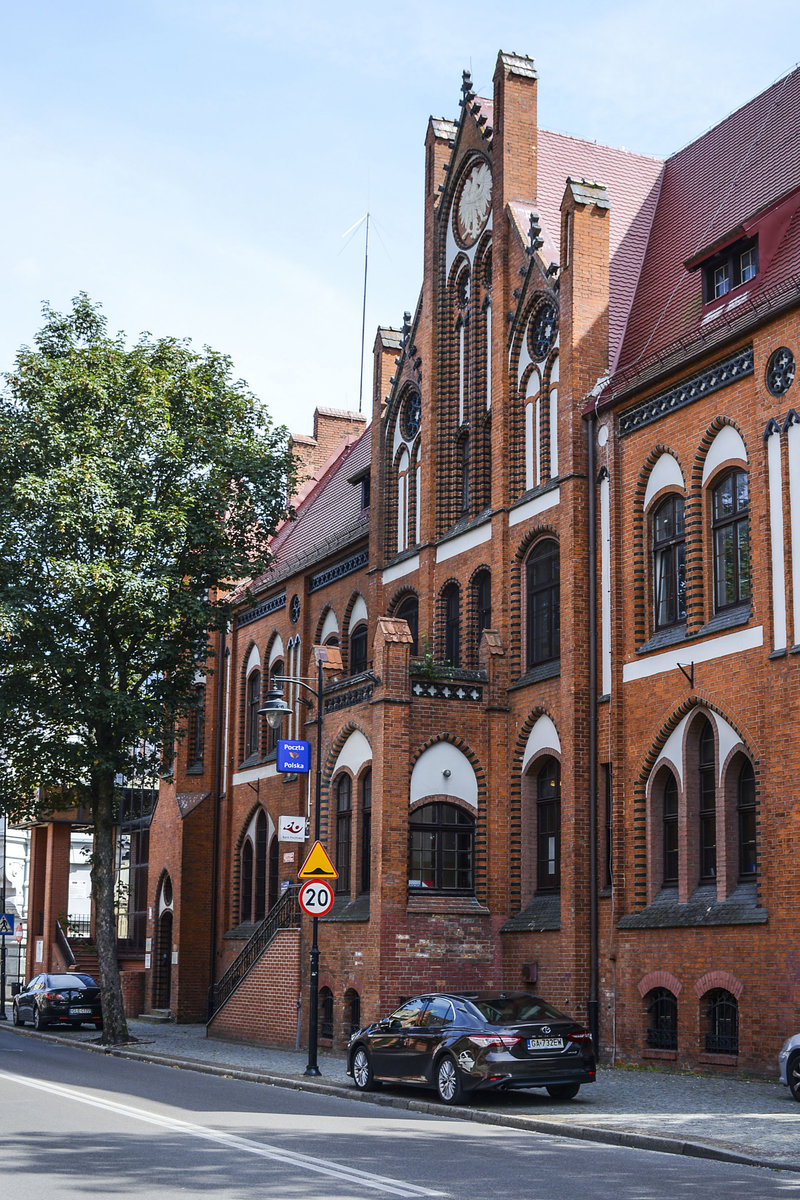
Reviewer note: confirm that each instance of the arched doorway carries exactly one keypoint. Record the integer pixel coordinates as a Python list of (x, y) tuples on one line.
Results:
[(162, 961)]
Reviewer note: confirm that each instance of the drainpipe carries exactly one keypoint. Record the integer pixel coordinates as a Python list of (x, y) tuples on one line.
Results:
[(593, 1007), (221, 670)]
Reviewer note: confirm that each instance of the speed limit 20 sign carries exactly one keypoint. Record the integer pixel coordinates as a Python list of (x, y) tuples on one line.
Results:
[(316, 897)]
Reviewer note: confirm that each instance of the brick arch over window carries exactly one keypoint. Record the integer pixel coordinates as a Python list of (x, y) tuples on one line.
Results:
[(476, 618), (244, 674), (642, 608), (330, 756), (323, 616), (448, 589), (718, 979), (659, 979), (699, 604), (397, 603), (640, 784), (517, 575), (481, 848), (348, 627), (514, 850)]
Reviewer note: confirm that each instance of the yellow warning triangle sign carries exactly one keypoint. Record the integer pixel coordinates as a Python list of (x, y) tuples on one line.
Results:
[(318, 865)]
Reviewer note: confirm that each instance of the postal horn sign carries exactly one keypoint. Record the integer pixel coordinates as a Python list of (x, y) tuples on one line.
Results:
[(318, 865)]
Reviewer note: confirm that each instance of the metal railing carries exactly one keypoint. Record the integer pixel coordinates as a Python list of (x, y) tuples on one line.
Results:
[(64, 946), (284, 915)]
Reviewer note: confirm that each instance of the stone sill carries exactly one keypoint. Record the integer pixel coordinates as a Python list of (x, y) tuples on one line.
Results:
[(466, 905), (661, 1055), (718, 1060)]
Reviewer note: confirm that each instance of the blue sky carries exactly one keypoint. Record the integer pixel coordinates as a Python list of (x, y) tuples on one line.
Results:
[(193, 164)]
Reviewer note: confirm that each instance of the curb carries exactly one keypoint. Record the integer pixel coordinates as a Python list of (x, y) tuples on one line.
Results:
[(584, 1133)]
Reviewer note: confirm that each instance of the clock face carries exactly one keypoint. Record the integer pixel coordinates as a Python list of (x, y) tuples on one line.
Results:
[(474, 203)]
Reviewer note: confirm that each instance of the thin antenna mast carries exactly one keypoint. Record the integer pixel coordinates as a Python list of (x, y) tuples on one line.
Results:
[(363, 316)]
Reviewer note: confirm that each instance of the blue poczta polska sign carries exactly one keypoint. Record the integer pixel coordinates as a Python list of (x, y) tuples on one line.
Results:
[(293, 756)]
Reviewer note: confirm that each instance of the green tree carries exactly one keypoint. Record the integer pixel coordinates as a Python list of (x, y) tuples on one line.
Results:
[(135, 485)]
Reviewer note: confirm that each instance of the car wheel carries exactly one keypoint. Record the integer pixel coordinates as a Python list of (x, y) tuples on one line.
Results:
[(362, 1071), (793, 1075), (38, 1023), (448, 1081), (563, 1091), (16, 1016)]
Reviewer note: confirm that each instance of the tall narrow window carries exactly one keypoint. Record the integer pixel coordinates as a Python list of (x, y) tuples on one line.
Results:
[(246, 883), (251, 716), (260, 881), (273, 735), (746, 813), (408, 611), (548, 827), (731, 535), (274, 872), (366, 830), (358, 649), (451, 599), (670, 829), (669, 562), (344, 826), (662, 1023), (482, 592), (543, 603), (707, 804), (722, 1023), (325, 1003), (197, 731)]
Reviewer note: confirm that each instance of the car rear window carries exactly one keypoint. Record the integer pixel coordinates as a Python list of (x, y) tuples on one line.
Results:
[(70, 981), (514, 1010)]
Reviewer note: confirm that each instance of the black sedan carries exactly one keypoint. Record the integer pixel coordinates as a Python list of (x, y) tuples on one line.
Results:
[(460, 1043), (68, 999)]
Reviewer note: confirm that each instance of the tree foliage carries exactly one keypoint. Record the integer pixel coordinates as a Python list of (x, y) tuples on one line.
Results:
[(136, 484)]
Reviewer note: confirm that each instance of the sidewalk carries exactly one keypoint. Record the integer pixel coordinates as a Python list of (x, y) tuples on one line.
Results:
[(744, 1120)]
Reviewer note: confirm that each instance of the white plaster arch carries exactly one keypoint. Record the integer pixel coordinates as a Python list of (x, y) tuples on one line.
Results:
[(665, 473), (726, 445), (444, 771), (543, 736), (330, 626), (672, 751), (354, 753), (358, 612), (276, 650), (253, 660)]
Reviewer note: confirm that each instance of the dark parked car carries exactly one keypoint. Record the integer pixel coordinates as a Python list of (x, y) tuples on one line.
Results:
[(789, 1065), (465, 1042), (68, 999)]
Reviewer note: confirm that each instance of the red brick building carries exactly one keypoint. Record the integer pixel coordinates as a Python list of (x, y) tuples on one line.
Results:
[(562, 567)]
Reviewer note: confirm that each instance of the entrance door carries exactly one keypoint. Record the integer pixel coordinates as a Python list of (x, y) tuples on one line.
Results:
[(162, 973)]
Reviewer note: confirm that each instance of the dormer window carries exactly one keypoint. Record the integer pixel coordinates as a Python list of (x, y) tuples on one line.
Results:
[(729, 269)]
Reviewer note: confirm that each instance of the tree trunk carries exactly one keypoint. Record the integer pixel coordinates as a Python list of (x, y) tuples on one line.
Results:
[(115, 1027)]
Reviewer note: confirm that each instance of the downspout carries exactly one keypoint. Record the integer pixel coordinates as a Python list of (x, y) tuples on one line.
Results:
[(220, 715), (593, 1008)]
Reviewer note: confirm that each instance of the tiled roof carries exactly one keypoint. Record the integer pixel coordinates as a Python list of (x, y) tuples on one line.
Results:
[(328, 518), (632, 182), (711, 189)]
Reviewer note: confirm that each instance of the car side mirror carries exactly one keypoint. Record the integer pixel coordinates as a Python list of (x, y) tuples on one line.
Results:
[(395, 1025)]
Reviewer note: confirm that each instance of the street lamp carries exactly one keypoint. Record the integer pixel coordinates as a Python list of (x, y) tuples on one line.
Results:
[(275, 709)]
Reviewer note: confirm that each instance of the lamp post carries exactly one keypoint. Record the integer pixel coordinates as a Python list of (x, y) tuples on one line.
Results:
[(275, 709)]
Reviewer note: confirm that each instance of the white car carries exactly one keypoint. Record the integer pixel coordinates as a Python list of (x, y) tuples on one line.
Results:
[(789, 1065)]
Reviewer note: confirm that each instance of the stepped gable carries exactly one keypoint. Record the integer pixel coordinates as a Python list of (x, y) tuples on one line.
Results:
[(720, 186)]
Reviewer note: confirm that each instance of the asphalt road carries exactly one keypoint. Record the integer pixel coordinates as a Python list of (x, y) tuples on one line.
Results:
[(76, 1124)]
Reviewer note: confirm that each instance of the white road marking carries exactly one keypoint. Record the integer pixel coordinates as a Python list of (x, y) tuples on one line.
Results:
[(307, 1162)]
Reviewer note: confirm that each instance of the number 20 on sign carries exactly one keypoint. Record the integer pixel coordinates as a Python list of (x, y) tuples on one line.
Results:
[(316, 897)]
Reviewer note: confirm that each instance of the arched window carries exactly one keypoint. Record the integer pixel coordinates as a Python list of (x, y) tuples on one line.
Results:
[(252, 720), (670, 825), (246, 883), (274, 735), (543, 603), (441, 852), (731, 537), (548, 826), (196, 731), (408, 611), (260, 881), (366, 830), (451, 603), (482, 598), (662, 1019), (352, 1008), (358, 649), (344, 828), (274, 872), (707, 806), (326, 1014), (721, 1022), (746, 820), (669, 562)]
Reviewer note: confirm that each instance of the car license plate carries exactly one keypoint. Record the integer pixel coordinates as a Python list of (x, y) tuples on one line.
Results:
[(546, 1043), (79, 1012)]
